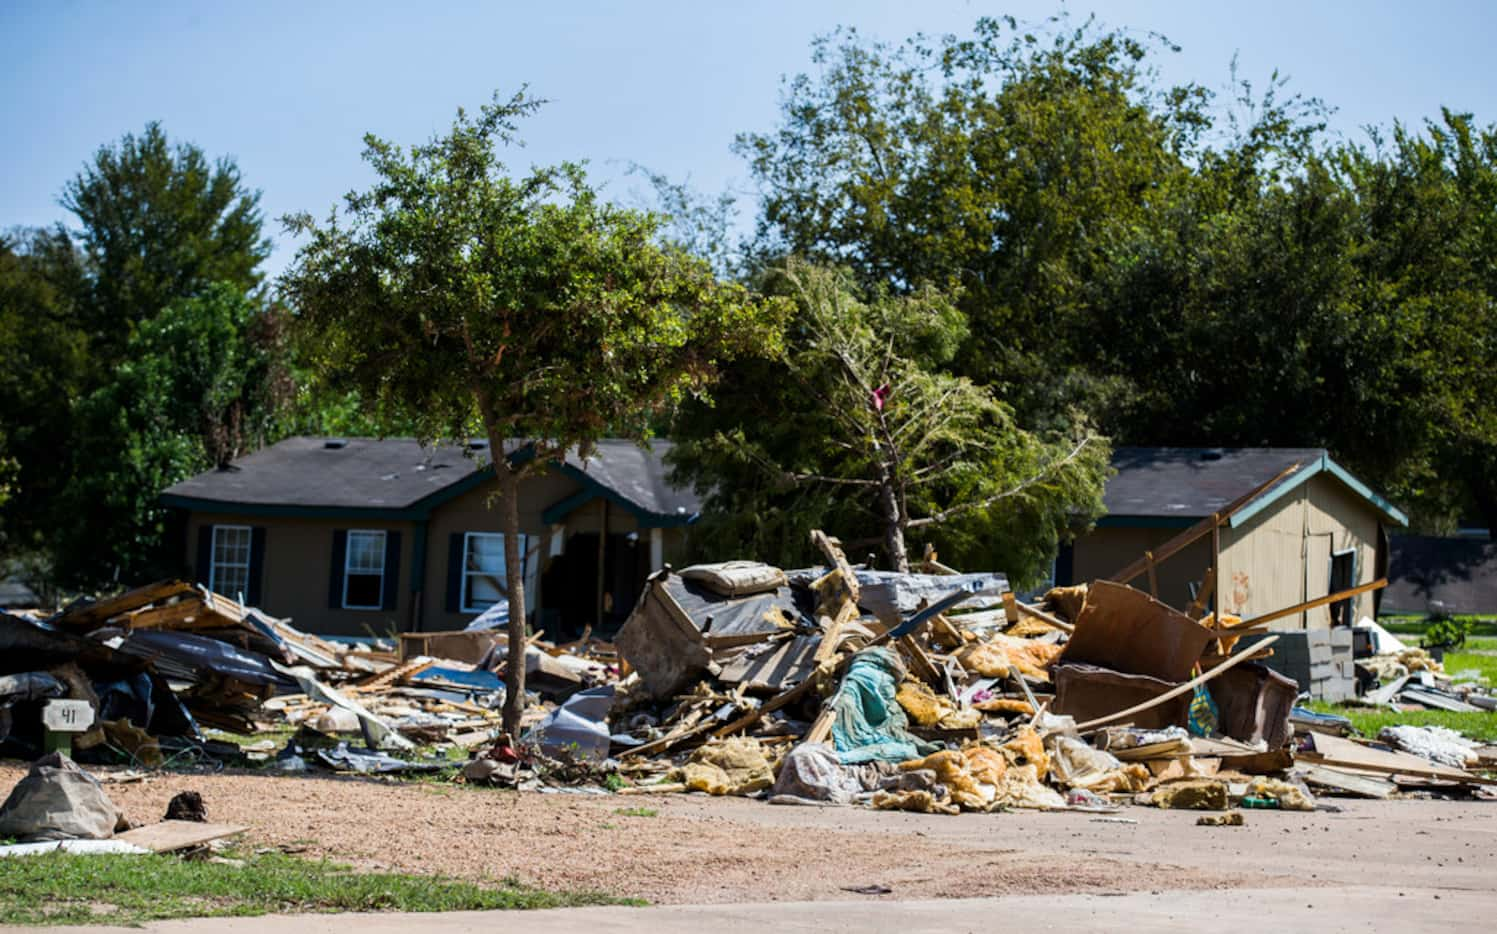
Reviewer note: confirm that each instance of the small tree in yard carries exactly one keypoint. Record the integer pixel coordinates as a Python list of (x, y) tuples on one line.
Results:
[(454, 297), (858, 427)]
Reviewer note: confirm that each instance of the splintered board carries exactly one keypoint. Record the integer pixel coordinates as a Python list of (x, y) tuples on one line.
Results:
[(172, 835)]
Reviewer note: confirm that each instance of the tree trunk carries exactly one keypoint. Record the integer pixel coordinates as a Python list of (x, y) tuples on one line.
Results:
[(514, 564), (893, 523), (514, 569)]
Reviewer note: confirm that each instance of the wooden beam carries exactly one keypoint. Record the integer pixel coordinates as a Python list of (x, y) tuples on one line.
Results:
[(1309, 605), (1036, 613), (1206, 525)]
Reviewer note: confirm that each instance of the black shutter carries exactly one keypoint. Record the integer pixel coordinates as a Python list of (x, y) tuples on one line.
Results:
[(335, 571), (205, 554), (455, 572), (257, 565), (392, 571)]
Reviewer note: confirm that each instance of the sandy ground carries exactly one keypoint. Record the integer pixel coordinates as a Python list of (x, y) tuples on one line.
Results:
[(702, 851)]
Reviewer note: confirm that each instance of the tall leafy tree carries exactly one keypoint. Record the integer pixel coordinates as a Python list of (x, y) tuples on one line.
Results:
[(190, 393), (43, 372), (457, 296), (160, 222), (1008, 165)]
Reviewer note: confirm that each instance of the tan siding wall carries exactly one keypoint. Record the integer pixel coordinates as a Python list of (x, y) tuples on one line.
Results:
[(1103, 552), (1282, 556), (1346, 522), (1263, 562), (298, 560)]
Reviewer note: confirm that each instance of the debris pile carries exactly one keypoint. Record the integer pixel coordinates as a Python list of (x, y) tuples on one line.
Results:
[(930, 691)]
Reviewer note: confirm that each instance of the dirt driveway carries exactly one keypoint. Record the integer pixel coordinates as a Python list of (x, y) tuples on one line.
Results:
[(698, 850)]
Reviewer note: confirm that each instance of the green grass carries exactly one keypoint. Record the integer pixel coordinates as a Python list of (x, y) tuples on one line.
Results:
[(636, 812), (1415, 625), (1368, 720), (59, 888), (1468, 660)]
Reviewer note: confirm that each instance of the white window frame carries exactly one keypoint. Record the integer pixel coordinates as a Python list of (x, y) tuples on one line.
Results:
[(463, 605), (214, 564), (348, 552)]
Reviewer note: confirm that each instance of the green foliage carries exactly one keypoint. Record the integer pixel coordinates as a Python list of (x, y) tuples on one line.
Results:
[(856, 429), (160, 222), (58, 888), (1184, 267), (449, 283), (636, 812), (1445, 634), (191, 393)]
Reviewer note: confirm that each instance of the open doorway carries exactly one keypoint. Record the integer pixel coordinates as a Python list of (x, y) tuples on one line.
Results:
[(1343, 577)]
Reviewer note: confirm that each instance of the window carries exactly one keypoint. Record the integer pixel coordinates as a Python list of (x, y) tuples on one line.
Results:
[(229, 569), (364, 571), (484, 580)]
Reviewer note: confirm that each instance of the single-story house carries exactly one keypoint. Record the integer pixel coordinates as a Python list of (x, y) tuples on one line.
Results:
[(1459, 574), (1318, 530), (358, 535)]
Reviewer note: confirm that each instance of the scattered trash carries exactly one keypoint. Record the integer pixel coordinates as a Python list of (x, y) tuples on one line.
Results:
[(1229, 819)]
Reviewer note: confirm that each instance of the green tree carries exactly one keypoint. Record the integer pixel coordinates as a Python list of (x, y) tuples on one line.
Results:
[(857, 428), (191, 393), (43, 370), (454, 295), (159, 222), (1007, 166)]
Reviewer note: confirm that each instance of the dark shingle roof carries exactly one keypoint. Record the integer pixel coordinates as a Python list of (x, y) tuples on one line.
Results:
[(400, 473), (1192, 482)]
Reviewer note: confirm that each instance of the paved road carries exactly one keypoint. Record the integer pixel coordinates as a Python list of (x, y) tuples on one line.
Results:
[(1281, 910)]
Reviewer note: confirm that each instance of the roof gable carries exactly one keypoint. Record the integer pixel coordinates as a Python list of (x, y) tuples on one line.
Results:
[(1177, 486)]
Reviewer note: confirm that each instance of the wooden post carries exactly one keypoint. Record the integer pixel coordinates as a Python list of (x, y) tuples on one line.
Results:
[(1153, 577)]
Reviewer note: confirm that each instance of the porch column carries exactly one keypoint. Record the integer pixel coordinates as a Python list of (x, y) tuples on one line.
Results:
[(657, 549)]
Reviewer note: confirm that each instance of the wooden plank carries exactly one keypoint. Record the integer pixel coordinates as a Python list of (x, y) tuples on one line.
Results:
[(832, 548), (1364, 786), (1258, 621), (172, 835), (1035, 612), (1335, 751), (1197, 606), (101, 610)]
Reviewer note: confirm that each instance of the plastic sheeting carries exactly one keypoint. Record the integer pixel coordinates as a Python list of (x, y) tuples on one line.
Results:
[(579, 726), (869, 724)]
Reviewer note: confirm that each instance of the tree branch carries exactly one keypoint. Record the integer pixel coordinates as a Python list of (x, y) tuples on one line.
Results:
[(988, 501)]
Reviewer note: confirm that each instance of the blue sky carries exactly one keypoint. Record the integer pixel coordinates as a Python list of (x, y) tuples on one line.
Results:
[(288, 89)]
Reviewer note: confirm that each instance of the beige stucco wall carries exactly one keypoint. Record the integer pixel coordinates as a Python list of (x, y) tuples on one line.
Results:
[(298, 562)]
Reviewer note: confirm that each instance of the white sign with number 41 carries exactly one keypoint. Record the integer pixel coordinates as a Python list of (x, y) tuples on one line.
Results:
[(67, 716)]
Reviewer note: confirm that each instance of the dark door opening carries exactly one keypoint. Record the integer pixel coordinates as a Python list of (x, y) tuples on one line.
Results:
[(570, 584), (1343, 577)]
